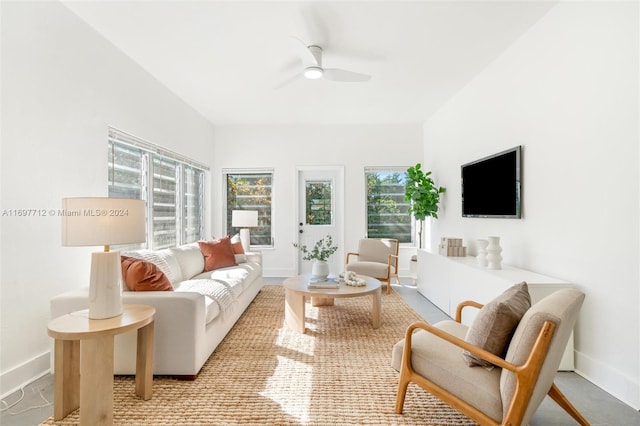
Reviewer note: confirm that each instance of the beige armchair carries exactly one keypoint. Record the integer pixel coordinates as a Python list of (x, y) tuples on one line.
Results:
[(377, 258), (511, 392)]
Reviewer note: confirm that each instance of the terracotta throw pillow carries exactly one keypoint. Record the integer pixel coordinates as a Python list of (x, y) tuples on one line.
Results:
[(237, 248), (217, 253), (140, 275), (495, 323)]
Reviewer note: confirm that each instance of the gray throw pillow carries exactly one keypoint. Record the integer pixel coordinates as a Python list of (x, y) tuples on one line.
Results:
[(495, 323)]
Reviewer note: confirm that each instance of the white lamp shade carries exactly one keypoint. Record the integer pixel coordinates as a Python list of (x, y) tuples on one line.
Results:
[(244, 218), (95, 221)]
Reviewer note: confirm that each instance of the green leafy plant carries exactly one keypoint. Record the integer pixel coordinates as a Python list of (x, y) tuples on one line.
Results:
[(322, 249), (424, 195)]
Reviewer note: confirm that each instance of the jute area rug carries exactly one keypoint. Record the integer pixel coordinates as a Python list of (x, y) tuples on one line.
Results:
[(338, 373)]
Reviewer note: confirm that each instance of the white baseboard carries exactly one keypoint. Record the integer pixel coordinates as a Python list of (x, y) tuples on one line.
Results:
[(278, 272), (25, 373), (615, 382)]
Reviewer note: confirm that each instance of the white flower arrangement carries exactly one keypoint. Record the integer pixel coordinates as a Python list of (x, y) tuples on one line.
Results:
[(352, 279)]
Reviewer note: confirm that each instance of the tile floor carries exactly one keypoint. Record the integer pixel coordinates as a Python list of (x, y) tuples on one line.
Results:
[(596, 405)]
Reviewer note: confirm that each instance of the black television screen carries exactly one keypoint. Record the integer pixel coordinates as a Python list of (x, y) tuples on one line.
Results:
[(491, 185)]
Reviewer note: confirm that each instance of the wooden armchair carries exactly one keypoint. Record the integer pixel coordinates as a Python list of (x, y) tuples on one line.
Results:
[(377, 258), (508, 394)]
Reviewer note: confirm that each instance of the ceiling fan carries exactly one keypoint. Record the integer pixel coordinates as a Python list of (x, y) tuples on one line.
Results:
[(311, 57)]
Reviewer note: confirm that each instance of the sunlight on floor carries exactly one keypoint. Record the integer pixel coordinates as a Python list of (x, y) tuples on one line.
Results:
[(293, 396)]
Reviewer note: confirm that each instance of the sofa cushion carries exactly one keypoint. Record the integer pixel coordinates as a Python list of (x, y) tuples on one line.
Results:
[(217, 253), (237, 278), (217, 291), (234, 278), (495, 323), (140, 275), (190, 259)]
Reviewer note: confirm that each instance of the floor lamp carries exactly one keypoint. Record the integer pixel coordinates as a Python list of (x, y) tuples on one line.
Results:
[(244, 219), (93, 221)]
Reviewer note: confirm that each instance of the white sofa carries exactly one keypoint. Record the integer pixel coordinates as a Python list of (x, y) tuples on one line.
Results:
[(190, 321)]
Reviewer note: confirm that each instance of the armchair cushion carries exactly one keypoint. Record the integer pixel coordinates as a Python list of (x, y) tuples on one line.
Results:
[(375, 250), (439, 361), (369, 269), (494, 325)]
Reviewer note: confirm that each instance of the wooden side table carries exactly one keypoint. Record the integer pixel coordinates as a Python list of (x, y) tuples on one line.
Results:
[(83, 361)]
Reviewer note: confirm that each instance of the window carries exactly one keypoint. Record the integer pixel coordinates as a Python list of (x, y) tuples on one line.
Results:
[(172, 185), (318, 201), (251, 190), (387, 211)]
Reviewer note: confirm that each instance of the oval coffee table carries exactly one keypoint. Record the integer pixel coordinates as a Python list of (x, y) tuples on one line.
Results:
[(296, 291)]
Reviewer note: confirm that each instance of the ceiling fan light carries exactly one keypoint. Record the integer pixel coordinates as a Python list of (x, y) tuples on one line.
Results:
[(313, 73)]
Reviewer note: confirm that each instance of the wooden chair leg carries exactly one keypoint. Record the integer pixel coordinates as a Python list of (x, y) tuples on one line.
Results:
[(402, 391), (567, 406)]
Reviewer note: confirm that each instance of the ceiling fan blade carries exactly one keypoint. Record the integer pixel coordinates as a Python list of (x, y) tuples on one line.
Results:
[(307, 58), (344, 75)]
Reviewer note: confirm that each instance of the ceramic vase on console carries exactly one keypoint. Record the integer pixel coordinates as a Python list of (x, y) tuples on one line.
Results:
[(494, 258), (481, 257), (320, 269)]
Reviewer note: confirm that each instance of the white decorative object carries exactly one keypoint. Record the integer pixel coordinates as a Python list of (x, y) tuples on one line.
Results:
[(481, 257), (96, 221), (320, 269), (352, 279), (494, 258)]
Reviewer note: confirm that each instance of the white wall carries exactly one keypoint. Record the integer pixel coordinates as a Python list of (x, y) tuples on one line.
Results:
[(283, 148), (62, 85), (567, 91)]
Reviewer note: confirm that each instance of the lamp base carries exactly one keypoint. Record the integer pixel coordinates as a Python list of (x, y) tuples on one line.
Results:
[(245, 239), (105, 287)]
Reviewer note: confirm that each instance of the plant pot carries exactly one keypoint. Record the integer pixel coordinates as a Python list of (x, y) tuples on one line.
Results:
[(320, 269)]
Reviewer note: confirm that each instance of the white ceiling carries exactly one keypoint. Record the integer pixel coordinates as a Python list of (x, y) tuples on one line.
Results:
[(227, 58)]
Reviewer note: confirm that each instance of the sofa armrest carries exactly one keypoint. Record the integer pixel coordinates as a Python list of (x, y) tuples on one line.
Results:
[(254, 256), (179, 314), (180, 322), (165, 302)]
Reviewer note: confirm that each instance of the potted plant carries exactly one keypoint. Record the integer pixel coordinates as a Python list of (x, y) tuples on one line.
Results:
[(424, 196), (322, 250)]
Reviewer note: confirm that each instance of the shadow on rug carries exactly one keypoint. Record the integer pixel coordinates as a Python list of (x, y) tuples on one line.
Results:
[(263, 373)]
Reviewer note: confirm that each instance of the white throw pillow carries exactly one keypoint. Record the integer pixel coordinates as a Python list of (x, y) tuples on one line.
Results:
[(190, 259)]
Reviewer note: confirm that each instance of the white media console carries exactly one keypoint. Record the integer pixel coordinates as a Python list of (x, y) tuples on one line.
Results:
[(447, 281)]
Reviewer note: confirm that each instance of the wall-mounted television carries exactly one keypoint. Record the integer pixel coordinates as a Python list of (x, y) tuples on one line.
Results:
[(491, 185)]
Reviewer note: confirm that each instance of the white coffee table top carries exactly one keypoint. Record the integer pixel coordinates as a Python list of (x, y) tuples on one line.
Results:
[(300, 283)]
